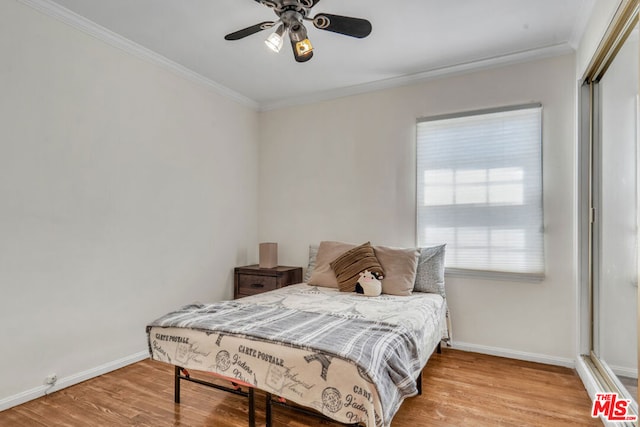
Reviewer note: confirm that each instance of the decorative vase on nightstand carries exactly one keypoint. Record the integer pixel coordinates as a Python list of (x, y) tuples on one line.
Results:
[(268, 255)]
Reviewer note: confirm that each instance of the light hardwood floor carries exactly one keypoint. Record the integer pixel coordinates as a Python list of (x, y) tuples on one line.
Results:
[(459, 389)]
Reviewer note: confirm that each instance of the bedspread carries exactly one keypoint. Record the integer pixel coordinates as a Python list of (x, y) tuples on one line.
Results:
[(350, 357)]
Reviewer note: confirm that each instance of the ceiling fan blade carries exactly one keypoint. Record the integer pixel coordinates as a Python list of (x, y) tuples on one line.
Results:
[(309, 3), (354, 27), (249, 30), (300, 58)]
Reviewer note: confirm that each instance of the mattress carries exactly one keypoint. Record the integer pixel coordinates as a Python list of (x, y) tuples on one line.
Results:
[(350, 357)]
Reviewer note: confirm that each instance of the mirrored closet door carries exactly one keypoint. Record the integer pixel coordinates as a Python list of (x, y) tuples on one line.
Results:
[(612, 85), (615, 335)]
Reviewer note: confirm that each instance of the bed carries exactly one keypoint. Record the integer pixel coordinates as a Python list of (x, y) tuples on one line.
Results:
[(351, 358)]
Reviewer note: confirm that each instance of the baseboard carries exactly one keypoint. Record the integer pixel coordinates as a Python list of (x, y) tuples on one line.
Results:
[(624, 372), (65, 382), (588, 380), (593, 386), (515, 354)]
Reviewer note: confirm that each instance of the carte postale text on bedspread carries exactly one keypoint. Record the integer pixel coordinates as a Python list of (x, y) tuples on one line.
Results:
[(242, 349), (260, 355), (172, 338)]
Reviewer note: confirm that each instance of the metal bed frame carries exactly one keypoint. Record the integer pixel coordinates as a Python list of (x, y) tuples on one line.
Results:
[(181, 374)]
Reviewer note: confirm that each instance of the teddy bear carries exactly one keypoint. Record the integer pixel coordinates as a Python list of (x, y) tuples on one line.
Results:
[(369, 283)]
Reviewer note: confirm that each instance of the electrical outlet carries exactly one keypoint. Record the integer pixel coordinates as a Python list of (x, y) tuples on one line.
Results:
[(51, 379)]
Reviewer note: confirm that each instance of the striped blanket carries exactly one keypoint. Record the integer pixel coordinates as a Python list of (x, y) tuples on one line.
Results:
[(388, 354)]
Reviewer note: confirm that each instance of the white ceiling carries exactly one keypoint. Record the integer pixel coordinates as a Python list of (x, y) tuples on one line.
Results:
[(411, 39)]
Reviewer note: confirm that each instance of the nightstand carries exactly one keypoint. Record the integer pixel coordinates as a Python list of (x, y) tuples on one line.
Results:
[(251, 279)]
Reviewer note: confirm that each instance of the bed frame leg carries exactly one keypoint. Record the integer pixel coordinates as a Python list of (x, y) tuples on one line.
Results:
[(252, 408), (439, 348), (250, 394), (268, 410), (176, 385), (419, 381)]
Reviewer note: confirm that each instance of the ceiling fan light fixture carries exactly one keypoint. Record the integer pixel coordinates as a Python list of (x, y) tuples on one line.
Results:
[(275, 41), (298, 35), (297, 32), (304, 47)]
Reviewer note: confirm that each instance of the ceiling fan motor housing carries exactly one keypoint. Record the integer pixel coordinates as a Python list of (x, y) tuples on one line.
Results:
[(281, 6)]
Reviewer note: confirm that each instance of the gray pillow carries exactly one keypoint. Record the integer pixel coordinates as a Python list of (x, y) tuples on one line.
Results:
[(430, 273), (313, 253)]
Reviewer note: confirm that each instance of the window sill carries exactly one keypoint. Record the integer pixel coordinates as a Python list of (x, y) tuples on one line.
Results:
[(494, 275)]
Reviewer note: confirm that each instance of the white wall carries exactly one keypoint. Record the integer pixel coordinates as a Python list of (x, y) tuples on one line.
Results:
[(125, 191), (345, 170)]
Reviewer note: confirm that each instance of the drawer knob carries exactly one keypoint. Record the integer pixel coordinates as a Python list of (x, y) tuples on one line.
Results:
[(257, 285)]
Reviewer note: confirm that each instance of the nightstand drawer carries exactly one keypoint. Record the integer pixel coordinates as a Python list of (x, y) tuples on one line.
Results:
[(251, 284), (252, 280)]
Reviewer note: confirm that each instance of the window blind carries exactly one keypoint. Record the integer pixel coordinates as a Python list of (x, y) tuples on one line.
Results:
[(479, 189)]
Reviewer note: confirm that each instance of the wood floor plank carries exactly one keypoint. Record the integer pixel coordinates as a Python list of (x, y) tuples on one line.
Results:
[(459, 389)]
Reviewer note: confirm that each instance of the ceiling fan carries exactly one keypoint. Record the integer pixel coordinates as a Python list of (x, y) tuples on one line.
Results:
[(291, 14)]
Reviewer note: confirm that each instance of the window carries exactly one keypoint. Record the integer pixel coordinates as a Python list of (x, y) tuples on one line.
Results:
[(479, 190)]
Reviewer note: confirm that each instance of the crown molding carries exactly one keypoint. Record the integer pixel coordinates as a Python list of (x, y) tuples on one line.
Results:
[(462, 68), (87, 26)]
